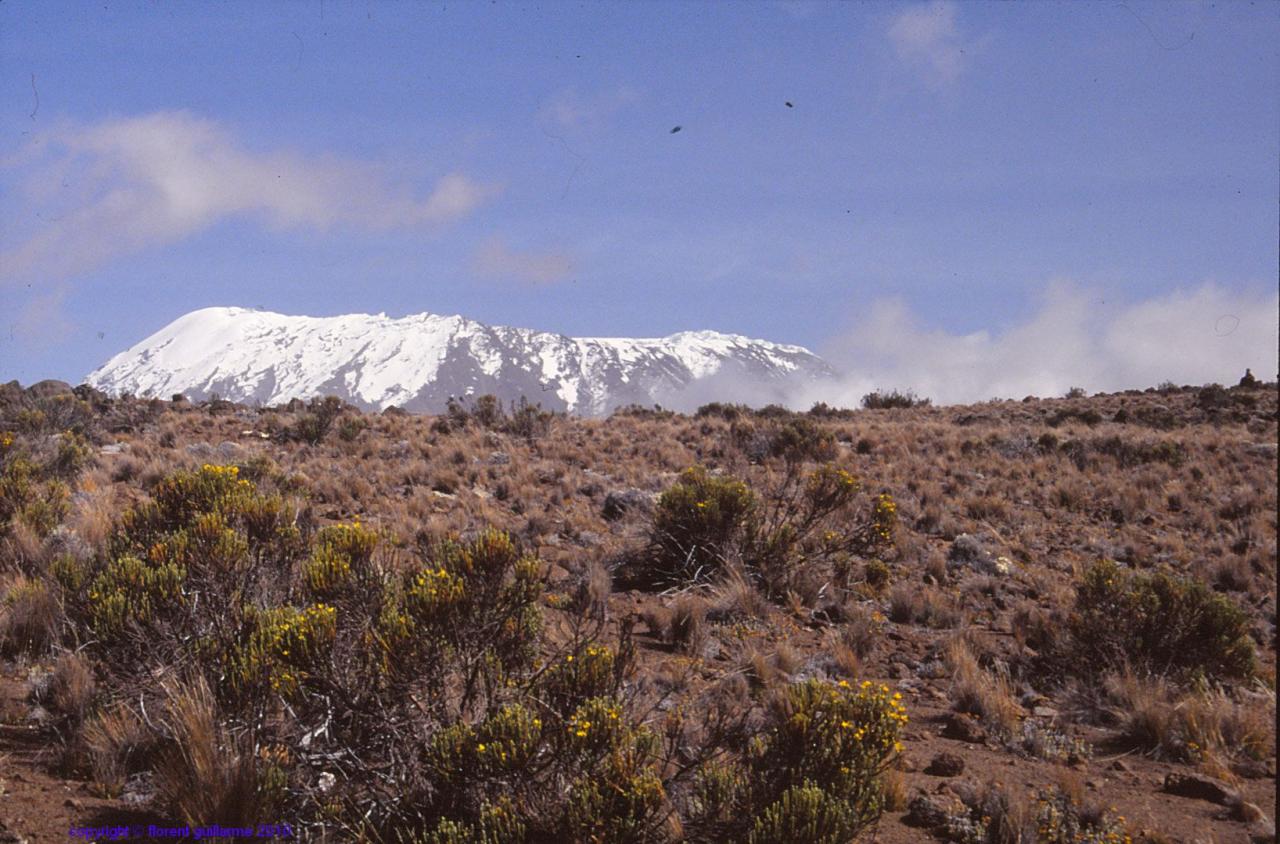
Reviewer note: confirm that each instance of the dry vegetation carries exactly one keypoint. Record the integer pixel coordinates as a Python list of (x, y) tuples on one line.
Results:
[(1047, 620)]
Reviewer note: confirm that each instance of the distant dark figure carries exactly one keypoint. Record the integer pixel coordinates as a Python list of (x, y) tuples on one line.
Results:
[(789, 105), (676, 129), (1248, 381)]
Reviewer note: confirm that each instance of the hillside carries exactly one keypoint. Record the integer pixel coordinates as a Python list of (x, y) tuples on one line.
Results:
[(1051, 619)]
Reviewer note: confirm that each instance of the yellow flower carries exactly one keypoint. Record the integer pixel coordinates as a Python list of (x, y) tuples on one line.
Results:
[(480, 748)]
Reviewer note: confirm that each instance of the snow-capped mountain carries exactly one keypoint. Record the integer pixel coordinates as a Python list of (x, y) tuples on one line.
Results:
[(419, 362)]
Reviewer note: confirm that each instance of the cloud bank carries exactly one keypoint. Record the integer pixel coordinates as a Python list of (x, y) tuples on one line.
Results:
[(120, 186), (927, 39), (494, 259), (1210, 334)]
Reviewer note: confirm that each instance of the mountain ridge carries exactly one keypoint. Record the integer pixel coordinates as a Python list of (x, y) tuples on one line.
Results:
[(419, 361)]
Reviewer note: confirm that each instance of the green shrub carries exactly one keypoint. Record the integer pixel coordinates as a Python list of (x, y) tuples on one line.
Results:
[(697, 521), (132, 592), (474, 603), (591, 672), (835, 735), (340, 555), (616, 795), (1159, 624), (314, 425), (1061, 820), (805, 814), (277, 648)]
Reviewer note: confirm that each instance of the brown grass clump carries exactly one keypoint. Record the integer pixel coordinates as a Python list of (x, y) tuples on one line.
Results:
[(30, 617), (1209, 726), (72, 687), (202, 772), (117, 744), (976, 691)]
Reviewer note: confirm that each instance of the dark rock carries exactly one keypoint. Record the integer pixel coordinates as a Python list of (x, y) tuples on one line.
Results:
[(1247, 812), (618, 502), (932, 811), (945, 765), (1200, 787), (964, 728), (969, 551)]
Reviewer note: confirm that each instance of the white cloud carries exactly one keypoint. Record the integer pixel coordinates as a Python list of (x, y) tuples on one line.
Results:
[(927, 39), (495, 259), (1205, 335), (571, 109), (120, 186)]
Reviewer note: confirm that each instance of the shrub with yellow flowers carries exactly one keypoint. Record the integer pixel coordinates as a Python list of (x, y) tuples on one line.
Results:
[(590, 672), (498, 823), (340, 555), (696, 522), (1060, 820), (834, 736), (30, 493), (130, 591), (616, 794), (276, 649), (500, 747)]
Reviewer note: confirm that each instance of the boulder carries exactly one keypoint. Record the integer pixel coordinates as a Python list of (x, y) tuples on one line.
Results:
[(619, 502), (1201, 787), (945, 765)]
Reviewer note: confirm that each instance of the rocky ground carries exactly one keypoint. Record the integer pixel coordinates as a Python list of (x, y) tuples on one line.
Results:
[(1001, 509)]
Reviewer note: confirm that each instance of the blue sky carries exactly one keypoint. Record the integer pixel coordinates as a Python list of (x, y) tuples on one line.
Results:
[(946, 173)]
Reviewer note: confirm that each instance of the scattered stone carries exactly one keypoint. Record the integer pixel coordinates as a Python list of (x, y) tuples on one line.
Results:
[(112, 448), (618, 502), (969, 551), (931, 811), (964, 728), (1044, 712), (499, 458), (1121, 766), (1247, 812), (229, 452), (1200, 787), (945, 765)]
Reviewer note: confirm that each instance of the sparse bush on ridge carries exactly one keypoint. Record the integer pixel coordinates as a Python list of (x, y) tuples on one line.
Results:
[(886, 399)]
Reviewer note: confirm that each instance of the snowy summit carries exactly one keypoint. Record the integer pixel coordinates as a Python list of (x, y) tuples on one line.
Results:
[(418, 362)]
